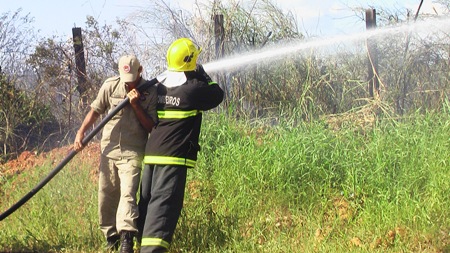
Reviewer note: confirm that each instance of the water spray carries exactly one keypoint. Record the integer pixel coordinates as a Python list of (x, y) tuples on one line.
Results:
[(276, 52)]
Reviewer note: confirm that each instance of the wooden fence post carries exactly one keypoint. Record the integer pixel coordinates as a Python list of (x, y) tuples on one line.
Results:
[(374, 85), (219, 35), (80, 62)]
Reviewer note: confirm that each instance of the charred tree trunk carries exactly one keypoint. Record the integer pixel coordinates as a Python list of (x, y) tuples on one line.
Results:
[(80, 63)]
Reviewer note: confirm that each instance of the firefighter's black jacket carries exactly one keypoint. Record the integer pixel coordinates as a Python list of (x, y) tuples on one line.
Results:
[(174, 140)]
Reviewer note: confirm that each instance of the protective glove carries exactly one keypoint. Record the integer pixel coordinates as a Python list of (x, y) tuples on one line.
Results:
[(201, 72)]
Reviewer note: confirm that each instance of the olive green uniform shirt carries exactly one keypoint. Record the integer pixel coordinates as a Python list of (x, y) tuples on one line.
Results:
[(123, 136)]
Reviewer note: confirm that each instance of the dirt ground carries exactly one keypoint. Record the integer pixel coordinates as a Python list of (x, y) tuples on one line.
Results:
[(29, 159)]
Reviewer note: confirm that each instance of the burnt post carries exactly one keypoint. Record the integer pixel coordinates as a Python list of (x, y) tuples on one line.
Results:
[(79, 62), (371, 23), (219, 36)]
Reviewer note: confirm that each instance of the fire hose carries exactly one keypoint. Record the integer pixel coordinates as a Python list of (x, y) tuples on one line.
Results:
[(85, 141)]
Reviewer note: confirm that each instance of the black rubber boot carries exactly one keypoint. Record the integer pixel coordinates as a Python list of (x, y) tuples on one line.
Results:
[(112, 243), (126, 242)]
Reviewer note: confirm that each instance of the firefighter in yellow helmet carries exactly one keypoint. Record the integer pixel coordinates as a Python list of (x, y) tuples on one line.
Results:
[(172, 148)]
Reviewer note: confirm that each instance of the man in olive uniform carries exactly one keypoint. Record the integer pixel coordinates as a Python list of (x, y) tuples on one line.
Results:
[(122, 149)]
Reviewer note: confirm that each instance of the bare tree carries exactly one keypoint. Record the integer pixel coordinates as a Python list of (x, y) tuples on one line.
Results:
[(16, 42)]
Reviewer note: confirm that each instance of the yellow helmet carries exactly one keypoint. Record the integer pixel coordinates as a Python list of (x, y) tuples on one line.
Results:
[(182, 55)]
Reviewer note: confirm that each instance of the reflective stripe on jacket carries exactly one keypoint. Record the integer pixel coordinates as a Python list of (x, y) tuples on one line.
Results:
[(150, 159)]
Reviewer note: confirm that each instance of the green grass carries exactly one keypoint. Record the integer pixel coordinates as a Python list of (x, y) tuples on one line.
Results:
[(262, 186), (61, 217)]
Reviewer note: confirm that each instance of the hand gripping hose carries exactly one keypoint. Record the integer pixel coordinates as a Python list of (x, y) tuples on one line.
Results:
[(85, 141)]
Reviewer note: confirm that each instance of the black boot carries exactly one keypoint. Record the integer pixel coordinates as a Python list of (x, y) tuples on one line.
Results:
[(112, 243), (126, 242)]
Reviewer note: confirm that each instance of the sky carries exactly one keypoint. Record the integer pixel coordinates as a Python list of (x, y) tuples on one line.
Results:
[(315, 18)]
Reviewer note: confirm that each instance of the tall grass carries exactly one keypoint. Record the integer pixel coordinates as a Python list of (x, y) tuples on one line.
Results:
[(62, 217), (274, 186)]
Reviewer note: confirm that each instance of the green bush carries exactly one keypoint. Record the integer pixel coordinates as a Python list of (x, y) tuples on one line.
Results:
[(25, 123)]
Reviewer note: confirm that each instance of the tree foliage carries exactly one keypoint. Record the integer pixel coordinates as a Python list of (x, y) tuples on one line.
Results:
[(16, 37), (41, 71)]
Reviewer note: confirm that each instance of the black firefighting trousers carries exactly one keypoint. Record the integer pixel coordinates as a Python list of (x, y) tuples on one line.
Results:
[(160, 204)]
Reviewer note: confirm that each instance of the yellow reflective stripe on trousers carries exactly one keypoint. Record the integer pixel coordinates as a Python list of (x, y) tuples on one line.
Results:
[(149, 159), (211, 83), (154, 242), (177, 114)]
